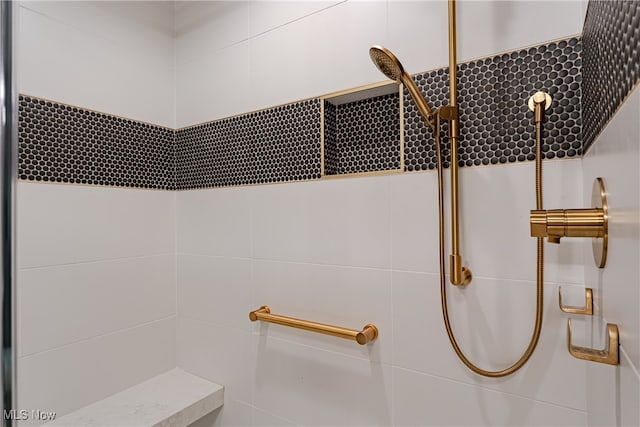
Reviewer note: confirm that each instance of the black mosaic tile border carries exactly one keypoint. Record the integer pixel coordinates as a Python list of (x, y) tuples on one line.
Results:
[(363, 136), (274, 145), (66, 144), (611, 39), (330, 139), (496, 124)]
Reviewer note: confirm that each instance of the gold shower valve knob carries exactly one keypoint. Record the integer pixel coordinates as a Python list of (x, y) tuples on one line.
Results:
[(558, 223)]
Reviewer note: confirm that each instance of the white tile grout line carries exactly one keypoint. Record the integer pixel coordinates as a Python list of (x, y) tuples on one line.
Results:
[(485, 388), (93, 261), (633, 367), (97, 337)]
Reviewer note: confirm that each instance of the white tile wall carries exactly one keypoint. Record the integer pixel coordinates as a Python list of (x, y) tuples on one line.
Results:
[(270, 15), (428, 400), (365, 250), (218, 353), (347, 296), (339, 222), (233, 413), (418, 29), (70, 377), (316, 387), (498, 242), (615, 156), (503, 230), (65, 304), (300, 59), (65, 224), (264, 419), (503, 23), (96, 291), (215, 289), (347, 251), (493, 320), (629, 386), (117, 22), (361, 250), (204, 28), (115, 57), (293, 50), (215, 222), (214, 86)]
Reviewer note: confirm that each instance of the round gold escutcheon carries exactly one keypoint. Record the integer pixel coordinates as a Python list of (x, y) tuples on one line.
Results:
[(539, 98), (599, 201)]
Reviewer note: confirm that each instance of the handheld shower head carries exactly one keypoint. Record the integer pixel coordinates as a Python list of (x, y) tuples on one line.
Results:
[(386, 62), (391, 67)]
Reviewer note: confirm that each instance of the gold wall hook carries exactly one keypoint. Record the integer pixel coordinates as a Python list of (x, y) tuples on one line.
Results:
[(609, 355), (588, 305)]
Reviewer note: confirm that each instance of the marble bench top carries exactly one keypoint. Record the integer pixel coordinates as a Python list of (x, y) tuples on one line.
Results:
[(173, 399)]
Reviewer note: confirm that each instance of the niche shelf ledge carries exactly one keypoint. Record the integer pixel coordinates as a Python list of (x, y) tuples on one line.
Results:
[(175, 398)]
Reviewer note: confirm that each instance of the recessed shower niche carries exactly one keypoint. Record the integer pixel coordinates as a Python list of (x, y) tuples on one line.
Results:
[(362, 131)]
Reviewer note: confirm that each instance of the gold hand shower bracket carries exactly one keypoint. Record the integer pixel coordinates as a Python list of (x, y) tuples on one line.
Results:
[(609, 355), (448, 112)]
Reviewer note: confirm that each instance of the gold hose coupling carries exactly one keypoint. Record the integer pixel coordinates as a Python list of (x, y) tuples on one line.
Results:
[(558, 223)]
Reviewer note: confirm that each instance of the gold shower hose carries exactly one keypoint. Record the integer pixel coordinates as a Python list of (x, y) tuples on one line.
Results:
[(539, 116)]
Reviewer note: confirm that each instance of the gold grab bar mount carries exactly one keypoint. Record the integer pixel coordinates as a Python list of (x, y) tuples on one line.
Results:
[(609, 355), (368, 334)]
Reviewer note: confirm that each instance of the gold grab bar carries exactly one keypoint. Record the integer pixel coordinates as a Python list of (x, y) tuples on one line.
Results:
[(608, 355), (368, 334), (588, 303)]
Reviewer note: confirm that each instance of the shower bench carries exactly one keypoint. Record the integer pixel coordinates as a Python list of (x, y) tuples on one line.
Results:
[(175, 398)]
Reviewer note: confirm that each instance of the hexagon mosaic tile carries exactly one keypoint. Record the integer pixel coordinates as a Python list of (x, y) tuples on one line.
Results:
[(611, 40), (66, 144), (496, 124), (275, 145), (330, 139), (362, 136)]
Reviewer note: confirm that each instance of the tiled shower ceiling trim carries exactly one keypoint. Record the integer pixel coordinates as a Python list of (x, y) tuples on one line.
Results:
[(274, 145), (611, 40), (362, 136), (496, 124), (66, 144)]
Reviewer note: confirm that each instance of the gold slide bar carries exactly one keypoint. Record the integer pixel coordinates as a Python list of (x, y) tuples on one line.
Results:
[(368, 334)]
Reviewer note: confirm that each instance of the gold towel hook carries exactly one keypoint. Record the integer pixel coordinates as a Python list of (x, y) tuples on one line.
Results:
[(588, 305), (608, 355)]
